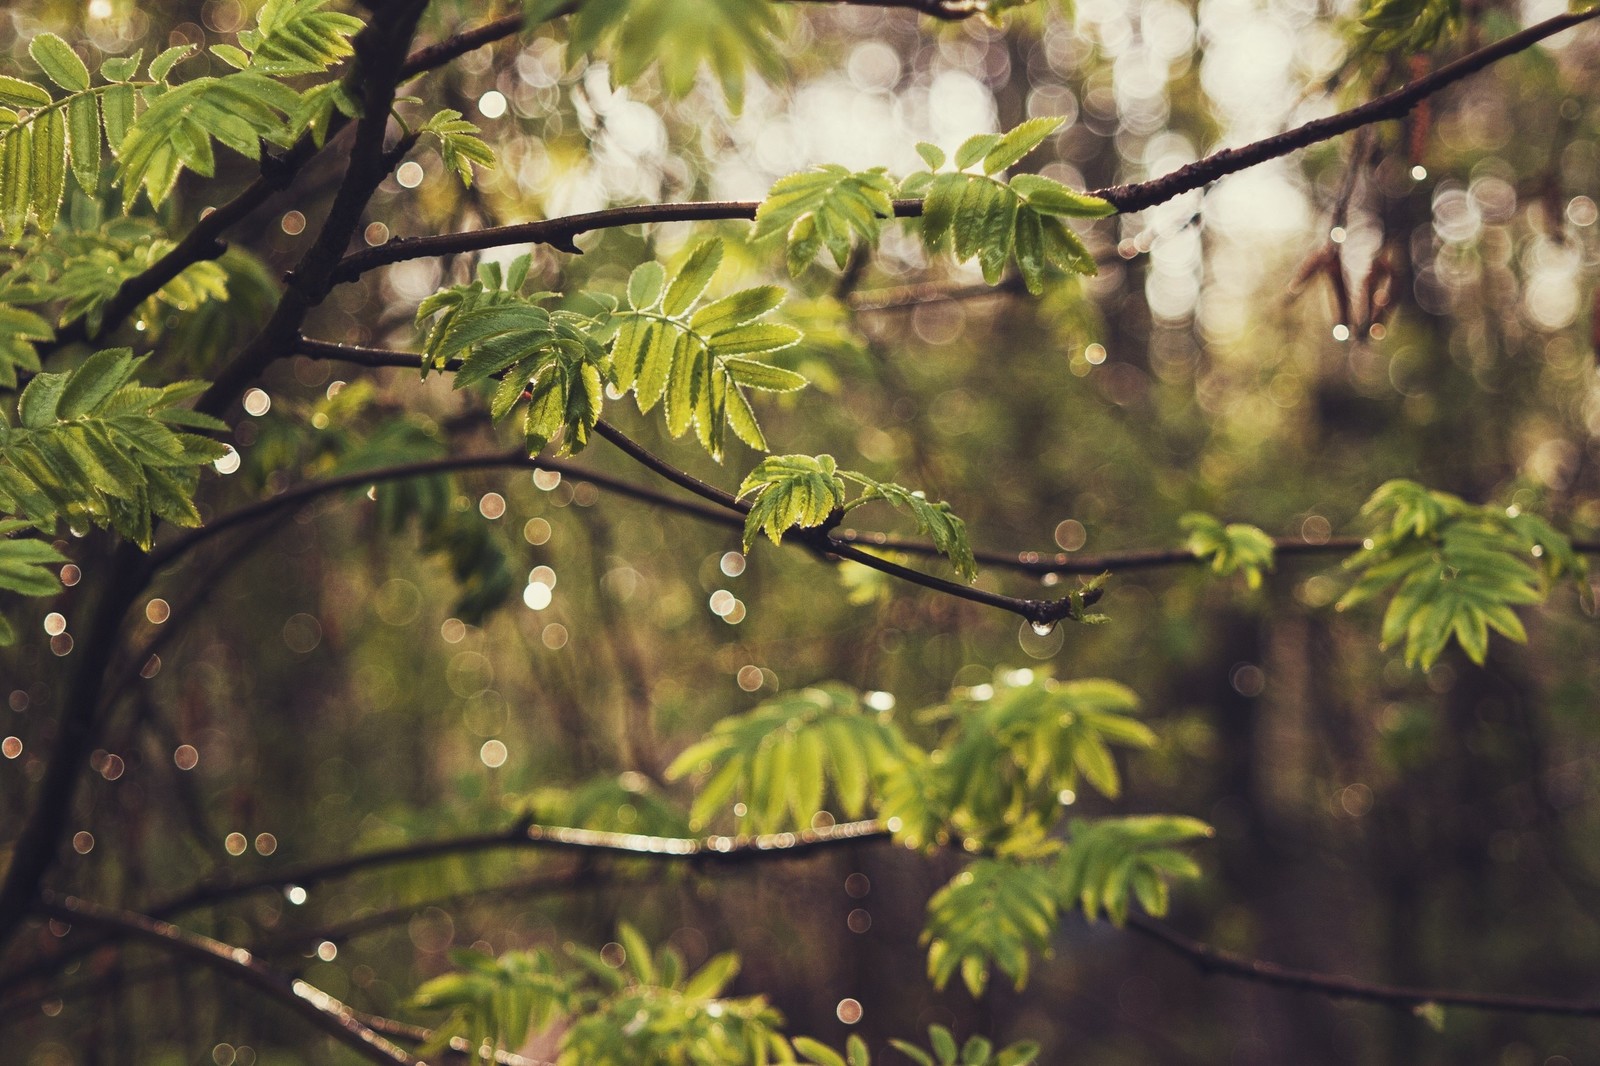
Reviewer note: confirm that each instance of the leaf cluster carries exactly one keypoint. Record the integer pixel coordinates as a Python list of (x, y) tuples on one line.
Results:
[(1230, 549), (459, 143), (153, 128), (778, 760), (1455, 570), (697, 357), (808, 491), (1011, 756), (677, 38), (72, 272), (1013, 752), (821, 208), (93, 445), (980, 215), (631, 1004), (1000, 912), (552, 359), (970, 214), (1387, 27)]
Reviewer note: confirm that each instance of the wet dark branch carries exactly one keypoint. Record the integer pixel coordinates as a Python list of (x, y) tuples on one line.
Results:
[(947, 10), (827, 546), (1396, 104), (843, 543), (454, 47), (650, 461), (322, 1010), (381, 49), (204, 240), (740, 850), (301, 495), (461, 1049), (696, 851), (559, 232), (1212, 960)]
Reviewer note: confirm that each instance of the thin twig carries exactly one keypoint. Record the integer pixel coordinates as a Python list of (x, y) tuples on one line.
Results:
[(1213, 960), (321, 1009), (1140, 195), (780, 846), (711, 850), (559, 232)]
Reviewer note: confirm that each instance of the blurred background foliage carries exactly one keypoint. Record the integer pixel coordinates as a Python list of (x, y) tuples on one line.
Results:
[(375, 669)]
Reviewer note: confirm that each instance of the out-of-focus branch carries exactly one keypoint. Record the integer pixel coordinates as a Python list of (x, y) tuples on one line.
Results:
[(559, 232), (1212, 960), (311, 1003)]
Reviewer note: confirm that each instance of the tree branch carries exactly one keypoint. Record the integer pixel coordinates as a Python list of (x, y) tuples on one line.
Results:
[(380, 51), (303, 494), (710, 850), (839, 543), (1140, 195), (1212, 960), (559, 232), (321, 1009), (204, 239)]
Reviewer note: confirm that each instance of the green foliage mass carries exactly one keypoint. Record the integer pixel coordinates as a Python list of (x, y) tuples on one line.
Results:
[(1456, 570), (92, 445)]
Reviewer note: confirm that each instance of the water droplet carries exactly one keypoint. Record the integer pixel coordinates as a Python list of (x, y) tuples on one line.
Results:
[(1043, 629)]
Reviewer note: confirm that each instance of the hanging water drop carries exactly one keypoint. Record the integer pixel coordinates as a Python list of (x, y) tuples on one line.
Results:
[(1043, 629)]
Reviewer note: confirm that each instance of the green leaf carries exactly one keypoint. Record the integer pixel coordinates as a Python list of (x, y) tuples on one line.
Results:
[(15, 92), (1231, 549), (49, 167), (37, 405), (83, 141), (975, 148), (1017, 143), (788, 492), (936, 520), (162, 64), (780, 758), (1053, 198), (738, 309), (692, 279), (754, 375), (645, 286), (122, 68), (993, 913), (817, 1053), (931, 154), (824, 207), (59, 62)]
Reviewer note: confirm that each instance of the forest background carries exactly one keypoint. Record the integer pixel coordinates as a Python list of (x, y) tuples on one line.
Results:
[(395, 730)]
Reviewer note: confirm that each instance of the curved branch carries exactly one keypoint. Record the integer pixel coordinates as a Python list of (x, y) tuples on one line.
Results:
[(717, 850), (842, 543), (1212, 960), (311, 1003), (303, 494), (204, 240), (559, 232), (823, 543), (1140, 195)]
